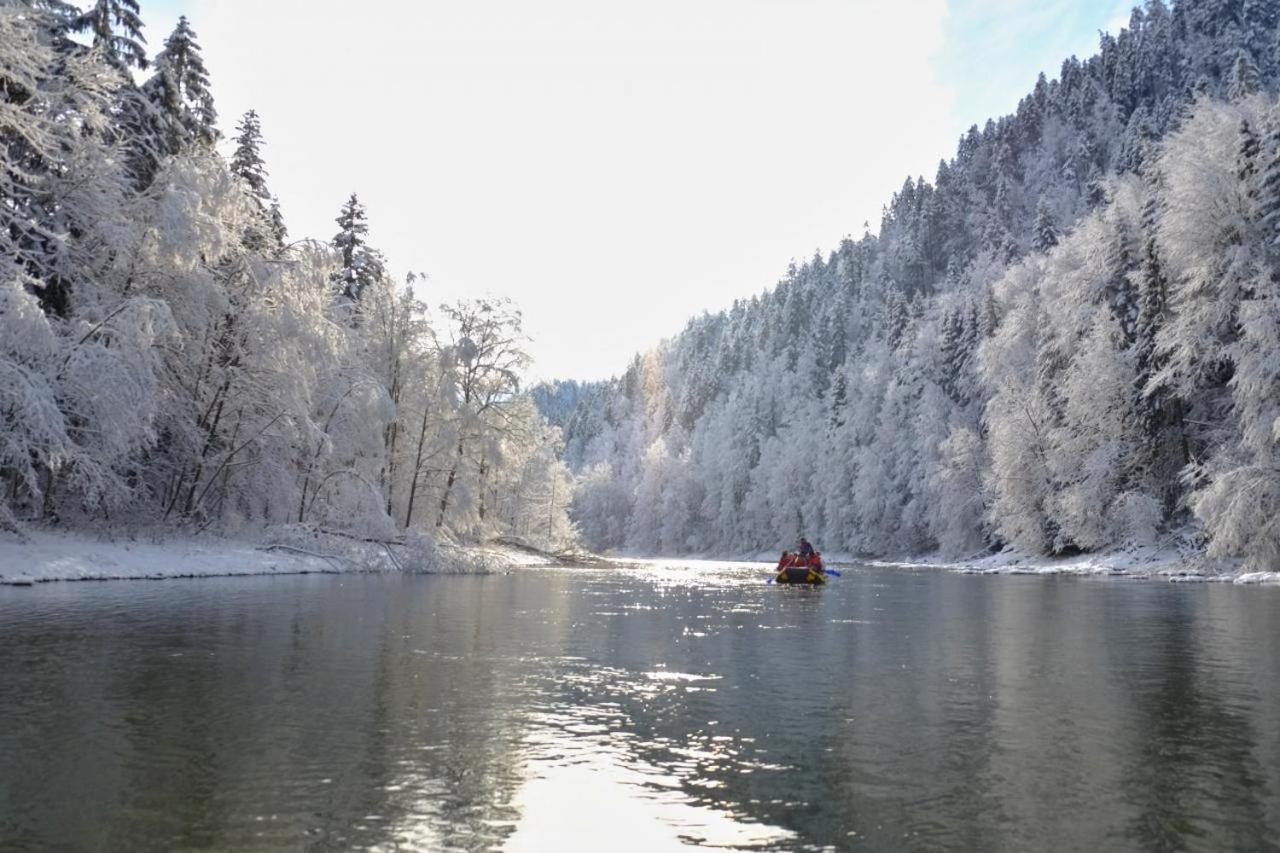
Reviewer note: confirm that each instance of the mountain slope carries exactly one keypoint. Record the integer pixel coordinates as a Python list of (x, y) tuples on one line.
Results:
[(942, 384)]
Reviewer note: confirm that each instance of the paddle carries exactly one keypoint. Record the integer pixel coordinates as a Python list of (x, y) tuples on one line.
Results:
[(827, 571), (774, 576)]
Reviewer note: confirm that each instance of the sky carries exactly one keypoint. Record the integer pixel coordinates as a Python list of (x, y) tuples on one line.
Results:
[(615, 166)]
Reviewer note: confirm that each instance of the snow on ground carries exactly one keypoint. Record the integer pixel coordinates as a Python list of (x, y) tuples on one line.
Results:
[(72, 556), (43, 555), (1176, 560), (1176, 564)]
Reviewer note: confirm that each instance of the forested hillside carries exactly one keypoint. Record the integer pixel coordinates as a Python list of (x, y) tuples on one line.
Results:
[(166, 353), (1069, 340)]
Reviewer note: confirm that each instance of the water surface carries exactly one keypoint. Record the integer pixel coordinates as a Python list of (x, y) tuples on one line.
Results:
[(664, 707)]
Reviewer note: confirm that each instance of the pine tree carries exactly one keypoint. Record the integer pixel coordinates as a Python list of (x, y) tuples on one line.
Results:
[(1244, 78), (1163, 444), (247, 165), (246, 161), (1268, 200), (1259, 19), (32, 144), (179, 92), (61, 15), (117, 31), (1136, 143), (1152, 294), (1122, 295), (951, 348), (278, 230), (839, 397), (361, 266), (1247, 152), (1045, 235)]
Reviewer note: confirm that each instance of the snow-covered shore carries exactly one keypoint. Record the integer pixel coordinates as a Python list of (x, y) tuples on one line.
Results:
[(1177, 562), (42, 555), (1139, 563)]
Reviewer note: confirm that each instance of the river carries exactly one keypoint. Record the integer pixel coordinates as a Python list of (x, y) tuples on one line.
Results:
[(672, 704)]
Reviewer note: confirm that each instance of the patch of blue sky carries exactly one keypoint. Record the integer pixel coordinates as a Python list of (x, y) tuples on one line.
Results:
[(994, 49), (159, 17)]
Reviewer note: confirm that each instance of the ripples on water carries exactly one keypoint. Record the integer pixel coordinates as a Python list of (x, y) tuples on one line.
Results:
[(659, 707)]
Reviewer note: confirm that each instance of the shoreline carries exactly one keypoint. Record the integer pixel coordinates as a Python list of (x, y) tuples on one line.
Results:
[(1133, 563), (49, 556), (1175, 565)]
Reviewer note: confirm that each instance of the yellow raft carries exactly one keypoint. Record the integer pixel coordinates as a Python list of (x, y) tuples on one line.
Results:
[(793, 568)]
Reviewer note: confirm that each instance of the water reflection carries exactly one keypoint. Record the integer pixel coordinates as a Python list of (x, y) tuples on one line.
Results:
[(586, 765), (640, 709)]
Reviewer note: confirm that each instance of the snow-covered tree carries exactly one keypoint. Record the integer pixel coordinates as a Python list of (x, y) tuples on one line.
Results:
[(1045, 235), (179, 93), (116, 26), (163, 354), (1245, 79), (361, 265), (247, 164), (482, 367)]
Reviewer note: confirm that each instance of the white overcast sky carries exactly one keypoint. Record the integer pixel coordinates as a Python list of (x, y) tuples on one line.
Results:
[(615, 166)]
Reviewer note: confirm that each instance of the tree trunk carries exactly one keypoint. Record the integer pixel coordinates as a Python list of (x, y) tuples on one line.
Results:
[(484, 469), (448, 487), (389, 437), (417, 470)]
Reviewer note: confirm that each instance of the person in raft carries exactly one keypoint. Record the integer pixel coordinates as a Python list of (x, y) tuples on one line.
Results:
[(806, 550)]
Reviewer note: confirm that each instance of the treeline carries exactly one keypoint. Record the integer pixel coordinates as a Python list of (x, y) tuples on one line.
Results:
[(167, 353), (969, 377)]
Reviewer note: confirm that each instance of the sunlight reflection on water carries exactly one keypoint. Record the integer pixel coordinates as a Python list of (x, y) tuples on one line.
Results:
[(627, 803)]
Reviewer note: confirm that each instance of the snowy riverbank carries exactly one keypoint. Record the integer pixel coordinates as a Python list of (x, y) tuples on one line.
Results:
[(42, 555), (1139, 563), (1177, 561)]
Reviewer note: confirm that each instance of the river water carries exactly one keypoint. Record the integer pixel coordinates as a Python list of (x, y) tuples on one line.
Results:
[(653, 708)]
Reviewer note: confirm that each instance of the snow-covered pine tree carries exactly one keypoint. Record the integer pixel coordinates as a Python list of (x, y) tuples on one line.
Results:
[(116, 26), (1045, 234), (360, 265), (31, 143), (1245, 80), (179, 91), (1268, 192), (1258, 20), (279, 231), (59, 155), (1164, 450), (267, 234), (246, 161)]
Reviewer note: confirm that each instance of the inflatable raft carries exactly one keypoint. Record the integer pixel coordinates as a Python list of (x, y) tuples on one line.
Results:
[(793, 568)]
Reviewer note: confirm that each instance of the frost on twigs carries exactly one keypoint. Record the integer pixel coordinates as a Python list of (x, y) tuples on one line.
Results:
[(414, 552)]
